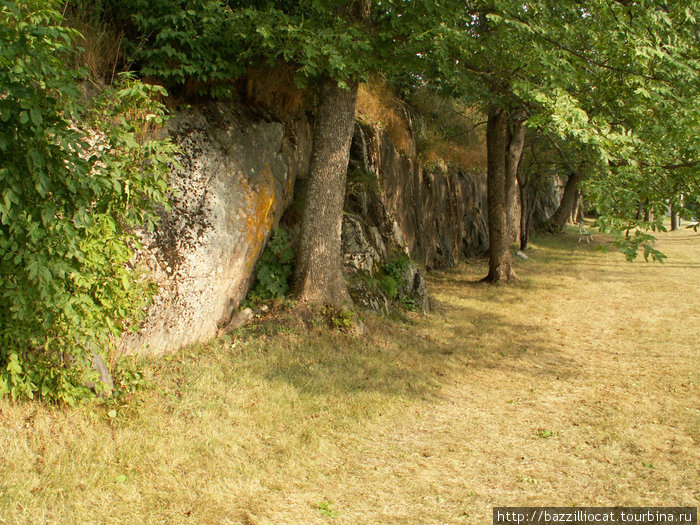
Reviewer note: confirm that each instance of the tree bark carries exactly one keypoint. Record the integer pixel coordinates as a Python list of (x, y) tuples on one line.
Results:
[(674, 218), (558, 220), (580, 212), (318, 273), (497, 142), (527, 209), (514, 154)]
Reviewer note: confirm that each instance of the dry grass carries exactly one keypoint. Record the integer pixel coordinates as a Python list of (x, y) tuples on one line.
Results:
[(449, 134), (377, 105), (577, 386), (101, 46)]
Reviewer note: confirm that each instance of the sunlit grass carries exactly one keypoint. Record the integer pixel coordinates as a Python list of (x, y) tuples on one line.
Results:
[(578, 385)]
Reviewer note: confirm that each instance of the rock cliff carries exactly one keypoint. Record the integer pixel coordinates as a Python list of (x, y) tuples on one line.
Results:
[(237, 177)]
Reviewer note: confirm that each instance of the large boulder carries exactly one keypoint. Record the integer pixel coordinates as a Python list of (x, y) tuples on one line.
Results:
[(237, 176)]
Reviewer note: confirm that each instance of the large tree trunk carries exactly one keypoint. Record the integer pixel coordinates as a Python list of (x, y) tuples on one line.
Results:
[(318, 275), (557, 222), (514, 154), (497, 141), (580, 209)]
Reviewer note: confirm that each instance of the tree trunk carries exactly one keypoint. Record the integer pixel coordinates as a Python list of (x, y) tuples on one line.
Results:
[(318, 274), (674, 218), (524, 214), (558, 220), (581, 208), (527, 210), (514, 154), (497, 141)]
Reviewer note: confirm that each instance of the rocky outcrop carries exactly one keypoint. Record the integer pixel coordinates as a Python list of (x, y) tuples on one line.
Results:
[(393, 206), (547, 201), (236, 178), (237, 175), (441, 216)]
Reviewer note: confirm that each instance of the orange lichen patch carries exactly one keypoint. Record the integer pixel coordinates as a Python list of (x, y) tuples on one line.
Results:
[(261, 203), (377, 105)]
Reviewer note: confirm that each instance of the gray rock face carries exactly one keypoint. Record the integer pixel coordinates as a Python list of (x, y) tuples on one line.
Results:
[(367, 295), (439, 216), (394, 206), (363, 246), (237, 177), (547, 201)]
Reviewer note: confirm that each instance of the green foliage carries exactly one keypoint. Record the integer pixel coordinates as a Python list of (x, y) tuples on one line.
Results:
[(630, 238), (366, 178), (76, 184), (273, 272), (397, 267), (407, 303), (127, 377), (337, 318), (210, 43), (184, 40), (393, 279), (325, 508), (544, 433), (389, 286)]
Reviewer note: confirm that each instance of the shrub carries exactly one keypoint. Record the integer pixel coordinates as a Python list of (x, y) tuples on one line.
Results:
[(76, 183), (184, 40), (273, 272), (389, 286), (396, 268)]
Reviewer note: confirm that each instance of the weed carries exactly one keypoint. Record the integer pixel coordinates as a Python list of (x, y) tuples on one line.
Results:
[(367, 179), (338, 319), (389, 286), (408, 303), (544, 433), (127, 377), (529, 479), (325, 508)]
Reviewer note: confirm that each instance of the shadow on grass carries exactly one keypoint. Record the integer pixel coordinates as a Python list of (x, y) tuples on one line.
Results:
[(413, 357), (409, 359)]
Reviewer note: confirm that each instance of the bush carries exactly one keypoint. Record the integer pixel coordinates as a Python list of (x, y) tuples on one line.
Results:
[(273, 272), (389, 286), (76, 183)]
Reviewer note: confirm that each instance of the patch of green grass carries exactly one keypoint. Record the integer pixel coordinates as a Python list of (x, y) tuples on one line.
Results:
[(544, 433), (325, 509)]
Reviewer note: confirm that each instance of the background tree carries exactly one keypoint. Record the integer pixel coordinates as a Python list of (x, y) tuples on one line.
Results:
[(608, 76)]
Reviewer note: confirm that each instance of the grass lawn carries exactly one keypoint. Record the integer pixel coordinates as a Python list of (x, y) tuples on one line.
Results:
[(579, 385)]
